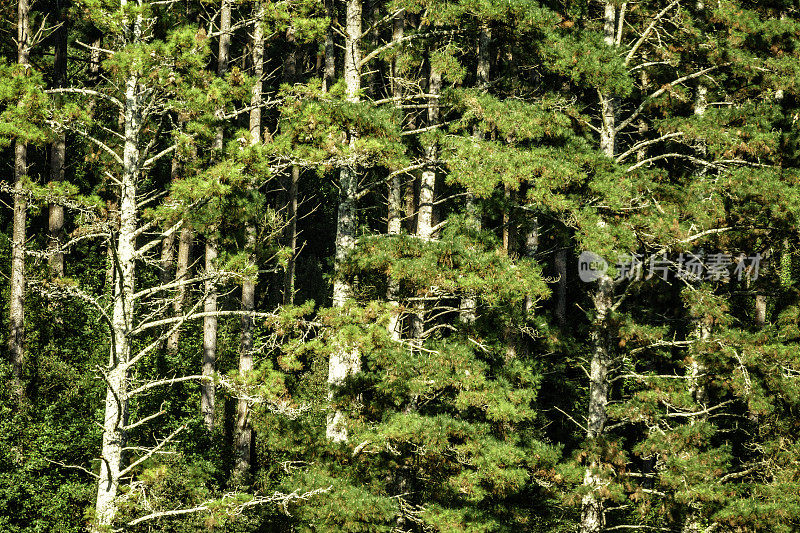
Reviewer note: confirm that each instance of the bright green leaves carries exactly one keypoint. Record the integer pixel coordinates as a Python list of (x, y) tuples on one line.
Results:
[(458, 263), (316, 128), (23, 105)]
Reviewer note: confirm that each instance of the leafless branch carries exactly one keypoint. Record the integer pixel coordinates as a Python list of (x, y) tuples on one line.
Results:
[(647, 31), (86, 92)]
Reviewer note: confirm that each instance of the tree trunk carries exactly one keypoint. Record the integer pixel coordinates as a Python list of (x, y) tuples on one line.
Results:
[(427, 193), (207, 396), (116, 375), (243, 432), (16, 322), (330, 49), (346, 360), (290, 187), (395, 202), (55, 258), (181, 274), (467, 311), (592, 514), (207, 389), (561, 288)]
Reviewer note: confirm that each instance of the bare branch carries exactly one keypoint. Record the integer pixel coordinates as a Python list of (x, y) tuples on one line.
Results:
[(638, 146), (149, 162), (152, 452), (161, 383), (372, 55), (647, 31), (85, 135), (144, 420), (236, 505), (77, 467), (661, 91), (87, 92)]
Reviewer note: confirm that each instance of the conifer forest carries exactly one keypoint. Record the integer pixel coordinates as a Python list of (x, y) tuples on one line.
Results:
[(401, 266)]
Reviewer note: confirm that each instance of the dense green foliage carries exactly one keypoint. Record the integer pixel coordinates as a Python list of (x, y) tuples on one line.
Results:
[(474, 413)]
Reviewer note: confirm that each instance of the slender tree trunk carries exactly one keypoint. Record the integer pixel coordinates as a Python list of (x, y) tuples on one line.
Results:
[(561, 287), (290, 232), (531, 247), (244, 433), (207, 390), (468, 306), (168, 244), (57, 156), (116, 374), (167, 258), (592, 514), (330, 49), (345, 360), (16, 337), (427, 193), (181, 274), (395, 204), (207, 396), (428, 182)]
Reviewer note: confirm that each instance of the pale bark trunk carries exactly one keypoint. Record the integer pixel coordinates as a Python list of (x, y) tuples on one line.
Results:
[(117, 372), (167, 258), (531, 247), (427, 194), (207, 395), (699, 394), (468, 305), (346, 360), (291, 232), (395, 203), (592, 514), (561, 287), (55, 258), (330, 49), (427, 187), (207, 389), (16, 337), (243, 432), (181, 274), (290, 188)]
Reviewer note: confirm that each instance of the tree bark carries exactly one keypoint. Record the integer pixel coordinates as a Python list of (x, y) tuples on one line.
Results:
[(244, 433), (181, 274), (561, 287), (395, 197), (346, 360), (55, 258), (207, 389), (468, 306), (116, 374), (592, 514), (207, 393), (290, 187), (16, 337), (330, 49)]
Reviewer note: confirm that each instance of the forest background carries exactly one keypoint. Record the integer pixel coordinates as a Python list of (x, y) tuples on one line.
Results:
[(310, 265)]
